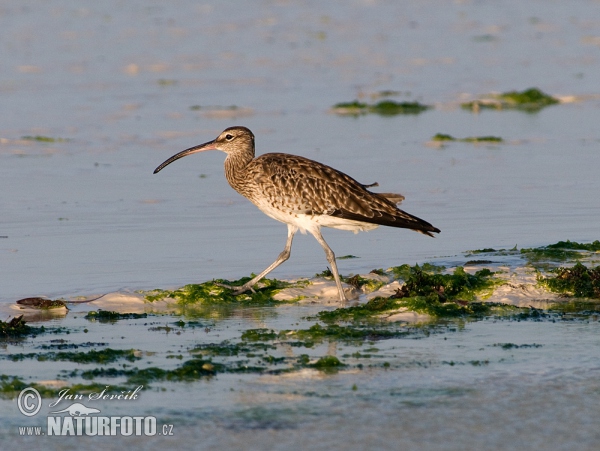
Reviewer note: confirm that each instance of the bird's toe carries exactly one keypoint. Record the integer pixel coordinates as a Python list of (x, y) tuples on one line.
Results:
[(237, 290)]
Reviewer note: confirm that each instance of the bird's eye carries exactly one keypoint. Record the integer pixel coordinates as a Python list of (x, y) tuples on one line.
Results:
[(228, 137)]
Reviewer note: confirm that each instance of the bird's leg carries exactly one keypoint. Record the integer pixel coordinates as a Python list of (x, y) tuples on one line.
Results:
[(331, 259), (285, 254)]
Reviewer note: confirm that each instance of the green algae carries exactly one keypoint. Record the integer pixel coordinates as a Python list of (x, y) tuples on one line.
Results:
[(17, 327), (361, 312), (167, 82), (214, 292), (460, 285), (592, 247), (449, 298), (228, 349), (102, 356), (545, 254), (382, 108), (190, 370), (61, 344), (425, 290), (510, 346), (259, 335), (530, 100), (213, 107), (328, 364), (440, 137), (486, 250), (578, 281), (354, 334), (405, 271), (11, 386), (44, 139), (366, 284), (560, 252), (106, 316), (326, 274)]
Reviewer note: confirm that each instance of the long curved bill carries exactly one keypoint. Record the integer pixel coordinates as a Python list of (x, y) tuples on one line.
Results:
[(211, 145)]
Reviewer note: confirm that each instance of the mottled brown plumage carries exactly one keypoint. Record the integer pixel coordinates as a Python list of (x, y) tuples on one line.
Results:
[(304, 194)]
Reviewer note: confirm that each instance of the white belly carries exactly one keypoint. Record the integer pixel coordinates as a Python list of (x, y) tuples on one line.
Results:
[(306, 222)]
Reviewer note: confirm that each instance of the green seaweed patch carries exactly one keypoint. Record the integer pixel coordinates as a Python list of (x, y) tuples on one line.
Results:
[(440, 137), (61, 344), (213, 107), (559, 252), (11, 386), (214, 292), (190, 370), (432, 305), (228, 349), (382, 108), (576, 308), (478, 262), (459, 285), (167, 82), (17, 327), (106, 316), (347, 334), (259, 335), (102, 356), (328, 364), (509, 346), (530, 100), (578, 281), (548, 254), (373, 307), (43, 139), (489, 250), (366, 284), (326, 274), (529, 314), (486, 250), (592, 247), (405, 271)]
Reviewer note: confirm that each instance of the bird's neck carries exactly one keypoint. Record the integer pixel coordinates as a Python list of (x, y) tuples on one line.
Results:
[(235, 168)]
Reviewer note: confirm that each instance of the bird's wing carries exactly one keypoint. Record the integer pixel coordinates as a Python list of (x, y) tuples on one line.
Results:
[(297, 184)]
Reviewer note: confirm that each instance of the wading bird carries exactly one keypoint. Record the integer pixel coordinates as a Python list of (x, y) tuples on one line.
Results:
[(304, 194)]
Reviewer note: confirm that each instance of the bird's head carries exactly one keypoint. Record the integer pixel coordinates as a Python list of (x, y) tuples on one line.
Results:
[(233, 140)]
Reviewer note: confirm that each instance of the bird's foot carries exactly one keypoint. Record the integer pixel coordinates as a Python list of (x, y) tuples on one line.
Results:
[(237, 290)]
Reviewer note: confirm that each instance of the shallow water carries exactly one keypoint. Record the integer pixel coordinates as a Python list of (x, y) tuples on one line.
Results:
[(114, 82)]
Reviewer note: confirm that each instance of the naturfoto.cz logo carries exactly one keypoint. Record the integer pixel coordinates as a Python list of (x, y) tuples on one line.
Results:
[(81, 419)]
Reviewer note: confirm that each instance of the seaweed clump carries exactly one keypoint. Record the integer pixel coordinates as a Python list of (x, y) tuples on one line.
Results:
[(17, 327), (382, 108), (217, 292), (578, 281), (441, 137), (44, 139), (459, 285), (560, 251), (439, 294), (530, 100), (592, 247), (107, 316)]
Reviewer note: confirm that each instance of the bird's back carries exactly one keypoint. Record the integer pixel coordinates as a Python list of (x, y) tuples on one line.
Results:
[(284, 185)]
